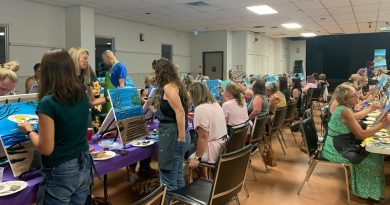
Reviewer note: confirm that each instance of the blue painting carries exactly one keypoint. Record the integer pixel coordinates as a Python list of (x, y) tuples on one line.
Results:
[(380, 58), (382, 82), (272, 79), (19, 150), (224, 83), (213, 87), (126, 103)]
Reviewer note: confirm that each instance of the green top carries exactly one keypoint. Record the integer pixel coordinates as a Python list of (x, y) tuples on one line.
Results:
[(336, 126), (71, 123)]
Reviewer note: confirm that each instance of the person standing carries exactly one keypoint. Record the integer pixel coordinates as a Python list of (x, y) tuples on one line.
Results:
[(118, 71), (172, 111), (63, 112)]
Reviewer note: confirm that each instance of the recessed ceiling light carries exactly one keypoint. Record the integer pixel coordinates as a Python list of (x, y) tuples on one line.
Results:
[(381, 29), (262, 9), (308, 34), (2, 33), (108, 43), (291, 25)]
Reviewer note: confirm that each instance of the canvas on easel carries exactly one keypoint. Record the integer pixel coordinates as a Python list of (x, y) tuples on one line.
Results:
[(128, 114), (19, 150), (213, 87)]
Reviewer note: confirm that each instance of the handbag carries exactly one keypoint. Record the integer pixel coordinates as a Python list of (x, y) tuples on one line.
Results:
[(349, 148), (269, 156)]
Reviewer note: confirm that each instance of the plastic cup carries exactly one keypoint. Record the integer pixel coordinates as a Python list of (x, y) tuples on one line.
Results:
[(89, 133), (106, 145), (1, 174)]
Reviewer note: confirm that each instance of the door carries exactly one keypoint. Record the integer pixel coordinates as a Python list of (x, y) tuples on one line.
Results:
[(102, 44), (213, 64)]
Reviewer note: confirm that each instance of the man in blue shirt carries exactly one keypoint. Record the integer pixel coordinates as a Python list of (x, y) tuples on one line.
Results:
[(118, 72)]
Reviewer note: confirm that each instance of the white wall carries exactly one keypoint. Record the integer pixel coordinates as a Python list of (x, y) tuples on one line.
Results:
[(207, 42), (139, 55), (33, 29), (297, 52)]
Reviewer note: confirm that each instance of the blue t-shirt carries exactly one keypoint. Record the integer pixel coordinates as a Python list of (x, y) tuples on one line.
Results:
[(118, 71)]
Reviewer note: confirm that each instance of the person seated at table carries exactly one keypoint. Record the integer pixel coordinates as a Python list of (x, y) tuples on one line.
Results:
[(367, 180), (63, 112), (296, 89), (276, 98), (33, 81), (209, 123), (366, 91), (311, 83), (354, 79), (8, 77), (258, 104), (234, 109), (150, 83), (172, 111), (283, 87), (143, 95), (333, 104)]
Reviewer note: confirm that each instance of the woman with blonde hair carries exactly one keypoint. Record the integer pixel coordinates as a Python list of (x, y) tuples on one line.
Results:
[(367, 180), (85, 73), (209, 122), (234, 109), (8, 77), (276, 98)]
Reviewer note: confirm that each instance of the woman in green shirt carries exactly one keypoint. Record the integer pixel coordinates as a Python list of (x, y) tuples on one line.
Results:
[(63, 111), (367, 180)]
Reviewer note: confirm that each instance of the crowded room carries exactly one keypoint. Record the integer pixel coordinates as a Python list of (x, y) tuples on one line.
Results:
[(194, 102)]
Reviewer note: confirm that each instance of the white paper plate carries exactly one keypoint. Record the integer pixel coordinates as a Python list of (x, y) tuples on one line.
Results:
[(109, 155), (141, 143), (370, 118), (382, 134), (373, 114), (5, 187), (385, 140), (32, 119), (368, 122)]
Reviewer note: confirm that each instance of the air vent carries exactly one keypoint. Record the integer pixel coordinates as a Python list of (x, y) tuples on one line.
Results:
[(197, 3), (258, 26), (274, 27)]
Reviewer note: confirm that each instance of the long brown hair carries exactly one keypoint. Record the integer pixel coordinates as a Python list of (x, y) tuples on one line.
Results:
[(200, 94), (58, 78), (236, 93), (166, 73)]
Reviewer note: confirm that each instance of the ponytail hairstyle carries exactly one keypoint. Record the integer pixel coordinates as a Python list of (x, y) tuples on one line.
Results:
[(236, 93)]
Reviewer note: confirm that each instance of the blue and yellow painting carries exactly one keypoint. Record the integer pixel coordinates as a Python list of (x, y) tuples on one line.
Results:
[(125, 102), (19, 150), (213, 87), (380, 58)]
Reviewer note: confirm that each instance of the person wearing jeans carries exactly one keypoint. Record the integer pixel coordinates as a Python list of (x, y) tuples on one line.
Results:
[(172, 111), (63, 112)]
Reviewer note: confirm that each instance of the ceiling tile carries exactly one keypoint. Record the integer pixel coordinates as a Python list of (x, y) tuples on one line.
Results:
[(316, 12), (366, 8), (361, 2), (306, 5), (341, 10), (335, 3)]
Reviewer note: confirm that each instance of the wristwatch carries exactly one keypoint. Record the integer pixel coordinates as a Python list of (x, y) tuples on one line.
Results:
[(27, 134)]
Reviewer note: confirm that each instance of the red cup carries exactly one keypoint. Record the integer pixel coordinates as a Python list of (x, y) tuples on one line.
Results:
[(89, 133)]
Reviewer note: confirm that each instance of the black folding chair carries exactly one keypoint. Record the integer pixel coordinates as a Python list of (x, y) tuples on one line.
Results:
[(228, 180), (290, 114), (276, 124), (257, 135), (310, 138), (157, 197)]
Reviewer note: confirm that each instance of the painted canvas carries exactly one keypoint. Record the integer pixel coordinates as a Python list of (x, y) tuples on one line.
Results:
[(213, 87), (224, 83), (19, 150), (380, 58), (128, 113)]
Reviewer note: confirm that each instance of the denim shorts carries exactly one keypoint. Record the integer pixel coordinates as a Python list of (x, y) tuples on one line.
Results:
[(67, 183)]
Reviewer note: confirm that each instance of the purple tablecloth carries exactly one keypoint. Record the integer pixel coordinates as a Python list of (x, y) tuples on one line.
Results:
[(28, 195)]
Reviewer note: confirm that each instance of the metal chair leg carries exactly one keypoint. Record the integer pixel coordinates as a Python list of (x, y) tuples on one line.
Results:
[(246, 190), (237, 200), (347, 182), (308, 174), (280, 142), (289, 126), (262, 158), (281, 134)]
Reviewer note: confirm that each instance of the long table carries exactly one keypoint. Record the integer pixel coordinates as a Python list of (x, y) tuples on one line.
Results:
[(28, 195)]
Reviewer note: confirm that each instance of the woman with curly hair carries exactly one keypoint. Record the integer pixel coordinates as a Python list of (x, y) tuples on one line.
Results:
[(172, 110)]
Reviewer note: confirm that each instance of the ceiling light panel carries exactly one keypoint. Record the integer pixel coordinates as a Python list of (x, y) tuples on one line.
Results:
[(291, 25), (262, 9)]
